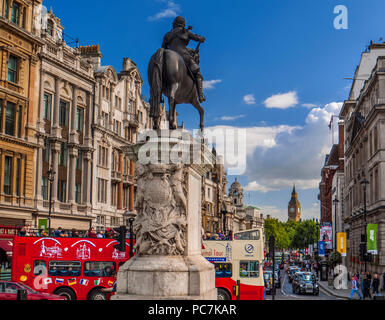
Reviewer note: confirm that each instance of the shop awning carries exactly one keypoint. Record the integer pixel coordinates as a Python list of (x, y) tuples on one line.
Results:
[(7, 246)]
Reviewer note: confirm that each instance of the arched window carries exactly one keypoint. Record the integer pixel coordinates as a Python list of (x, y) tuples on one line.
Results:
[(50, 27)]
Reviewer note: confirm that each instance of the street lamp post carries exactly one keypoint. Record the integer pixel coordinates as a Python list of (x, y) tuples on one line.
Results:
[(364, 182), (335, 201), (131, 218), (51, 177)]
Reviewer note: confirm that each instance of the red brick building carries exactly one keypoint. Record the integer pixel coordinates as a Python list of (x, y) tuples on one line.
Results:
[(334, 162)]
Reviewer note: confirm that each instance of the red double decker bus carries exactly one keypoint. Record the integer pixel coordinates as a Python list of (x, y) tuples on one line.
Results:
[(238, 260), (76, 268)]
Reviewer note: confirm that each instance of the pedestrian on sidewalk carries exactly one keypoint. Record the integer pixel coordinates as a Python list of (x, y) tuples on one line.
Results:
[(355, 288), (367, 278), (375, 284), (361, 281)]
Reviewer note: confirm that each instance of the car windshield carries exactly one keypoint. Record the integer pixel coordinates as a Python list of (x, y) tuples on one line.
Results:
[(307, 277)]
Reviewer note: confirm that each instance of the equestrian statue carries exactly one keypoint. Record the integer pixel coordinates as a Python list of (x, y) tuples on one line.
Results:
[(174, 71)]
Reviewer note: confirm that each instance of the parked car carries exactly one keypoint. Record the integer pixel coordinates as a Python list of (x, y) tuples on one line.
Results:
[(292, 272), (305, 282), (9, 289)]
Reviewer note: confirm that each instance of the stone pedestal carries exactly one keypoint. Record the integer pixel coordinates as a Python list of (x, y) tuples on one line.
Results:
[(168, 263)]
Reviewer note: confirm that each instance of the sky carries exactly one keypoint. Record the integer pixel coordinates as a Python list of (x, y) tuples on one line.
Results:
[(275, 68)]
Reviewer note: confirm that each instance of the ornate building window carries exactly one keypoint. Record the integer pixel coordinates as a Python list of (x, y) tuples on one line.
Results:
[(79, 119), (102, 190), (12, 68), (6, 9), (63, 154), (15, 9), (63, 114), (44, 188), (78, 193), (61, 190), (47, 106), (7, 175), (50, 27), (10, 119)]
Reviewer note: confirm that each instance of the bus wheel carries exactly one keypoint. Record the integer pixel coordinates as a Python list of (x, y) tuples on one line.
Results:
[(223, 295), (97, 295), (67, 293)]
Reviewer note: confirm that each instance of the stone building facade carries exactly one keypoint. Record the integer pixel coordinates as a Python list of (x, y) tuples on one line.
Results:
[(364, 117), (20, 44), (64, 134), (119, 114)]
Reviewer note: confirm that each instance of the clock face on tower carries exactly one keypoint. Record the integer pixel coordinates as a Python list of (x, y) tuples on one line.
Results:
[(292, 210)]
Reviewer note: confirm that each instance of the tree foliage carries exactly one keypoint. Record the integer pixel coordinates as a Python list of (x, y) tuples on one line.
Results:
[(291, 234)]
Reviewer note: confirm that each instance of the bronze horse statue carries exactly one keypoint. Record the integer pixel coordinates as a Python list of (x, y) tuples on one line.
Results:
[(169, 75)]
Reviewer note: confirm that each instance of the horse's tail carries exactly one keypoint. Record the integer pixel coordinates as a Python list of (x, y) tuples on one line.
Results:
[(155, 80)]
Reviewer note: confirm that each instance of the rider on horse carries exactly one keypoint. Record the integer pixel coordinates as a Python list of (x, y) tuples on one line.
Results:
[(177, 40)]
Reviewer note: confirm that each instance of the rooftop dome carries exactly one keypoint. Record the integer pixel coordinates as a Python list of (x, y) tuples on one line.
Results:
[(236, 185)]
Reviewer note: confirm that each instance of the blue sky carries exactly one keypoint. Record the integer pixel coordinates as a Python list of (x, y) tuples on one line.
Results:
[(288, 51)]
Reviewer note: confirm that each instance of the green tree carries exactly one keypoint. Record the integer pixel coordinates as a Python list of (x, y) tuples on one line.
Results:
[(305, 234)]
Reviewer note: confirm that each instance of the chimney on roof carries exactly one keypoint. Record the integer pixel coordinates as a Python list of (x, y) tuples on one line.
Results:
[(92, 54)]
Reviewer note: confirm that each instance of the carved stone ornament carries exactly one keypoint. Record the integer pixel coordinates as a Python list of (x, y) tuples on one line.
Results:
[(161, 206)]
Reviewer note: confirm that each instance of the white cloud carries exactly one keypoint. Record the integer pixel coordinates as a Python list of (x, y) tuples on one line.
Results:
[(282, 100), (249, 99), (268, 185), (256, 137), (309, 105), (210, 84), (171, 11), (230, 118), (294, 156)]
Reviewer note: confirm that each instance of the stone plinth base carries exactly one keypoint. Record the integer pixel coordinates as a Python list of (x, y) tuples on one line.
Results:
[(166, 278)]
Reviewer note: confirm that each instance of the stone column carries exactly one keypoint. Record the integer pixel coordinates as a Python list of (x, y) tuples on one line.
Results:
[(55, 149), (39, 169), (56, 130), (73, 154), (73, 132), (86, 177), (87, 138), (41, 108), (168, 264)]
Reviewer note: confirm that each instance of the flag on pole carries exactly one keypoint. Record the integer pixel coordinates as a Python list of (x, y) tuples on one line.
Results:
[(330, 123)]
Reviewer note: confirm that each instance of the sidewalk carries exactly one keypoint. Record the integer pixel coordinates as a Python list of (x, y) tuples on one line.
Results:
[(340, 293)]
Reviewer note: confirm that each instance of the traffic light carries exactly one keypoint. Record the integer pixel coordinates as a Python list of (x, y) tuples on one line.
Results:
[(121, 238), (363, 251)]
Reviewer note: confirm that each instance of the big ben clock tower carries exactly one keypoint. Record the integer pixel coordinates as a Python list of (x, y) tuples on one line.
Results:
[(294, 207)]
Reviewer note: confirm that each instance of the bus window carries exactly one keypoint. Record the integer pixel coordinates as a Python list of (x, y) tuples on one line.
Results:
[(39, 267), (99, 269), (247, 235), (249, 269), (223, 270), (64, 268)]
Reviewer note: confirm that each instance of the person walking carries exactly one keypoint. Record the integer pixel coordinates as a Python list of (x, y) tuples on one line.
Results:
[(361, 282), (375, 284), (366, 284), (355, 288)]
